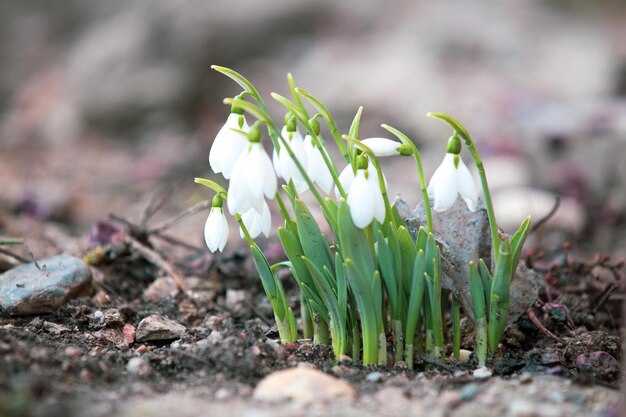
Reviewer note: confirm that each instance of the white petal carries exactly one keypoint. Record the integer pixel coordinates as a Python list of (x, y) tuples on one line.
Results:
[(265, 220), (216, 230), (228, 145), (250, 220), (377, 197), (325, 178), (382, 146), (276, 163), (346, 178), (312, 158), (467, 188), (362, 205), (288, 167), (238, 198), (444, 184)]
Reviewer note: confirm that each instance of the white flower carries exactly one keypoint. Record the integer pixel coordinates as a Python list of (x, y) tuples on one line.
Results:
[(365, 199), (285, 165), (216, 230), (316, 166), (347, 177), (382, 146), (228, 145), (253, 178), (452, 178), (257, 222)]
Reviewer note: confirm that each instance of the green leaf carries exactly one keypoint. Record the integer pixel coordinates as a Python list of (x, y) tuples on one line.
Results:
[(477, 292), (311, 238), (293, 325), (408, 251), (416, 295), (485, 276), (211, 184), (342, 286), (294, 252), (517, 241), (269, 281), (332, 211), (500, 295), (387, 264), (422, 238), (353, 242)]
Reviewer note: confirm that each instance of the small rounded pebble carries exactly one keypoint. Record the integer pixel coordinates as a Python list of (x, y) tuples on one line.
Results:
[(482, 373)]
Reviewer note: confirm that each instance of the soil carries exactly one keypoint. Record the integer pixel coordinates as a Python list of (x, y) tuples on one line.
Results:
[(83, 359)]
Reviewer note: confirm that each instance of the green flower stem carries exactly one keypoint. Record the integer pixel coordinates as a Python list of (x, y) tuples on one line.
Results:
[(307, 321), (456, 327), (469, 143), (369, 330), (320, 332), (480, 314), (332, 126), (420, 170), (398, 339)]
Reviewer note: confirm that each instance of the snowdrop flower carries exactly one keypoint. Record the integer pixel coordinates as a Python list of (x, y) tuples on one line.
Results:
[(365, 198), (257, 222), (285, 165), (317, 169), (386, 147), (216, 227), (253, 177), (452, 178), (228, 144), (346, 178)]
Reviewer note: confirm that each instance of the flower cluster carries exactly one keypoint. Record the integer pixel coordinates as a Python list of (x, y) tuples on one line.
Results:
[(376, 281)]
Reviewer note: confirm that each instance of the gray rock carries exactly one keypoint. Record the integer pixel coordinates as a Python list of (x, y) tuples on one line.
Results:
[(156, 327), (464, 236), (26, 290)]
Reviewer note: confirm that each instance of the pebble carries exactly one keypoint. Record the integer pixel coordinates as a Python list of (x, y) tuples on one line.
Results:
[(482, 373), (303, 385), (156, 327), (164, 287), (464, 355), (26, 290), (138, 366), (55, 329), (128, 333), (374, 377)]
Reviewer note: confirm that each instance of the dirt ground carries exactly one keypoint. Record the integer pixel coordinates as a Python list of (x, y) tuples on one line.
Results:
[(562, 359)]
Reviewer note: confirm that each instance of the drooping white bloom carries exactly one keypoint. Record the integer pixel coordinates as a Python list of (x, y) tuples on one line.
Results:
[(365, 199), (257, 222), (347, 177), (216, 230), (317, 169), (452, 178), (228, 145), (382, 146), (285, 165), (253, 178)]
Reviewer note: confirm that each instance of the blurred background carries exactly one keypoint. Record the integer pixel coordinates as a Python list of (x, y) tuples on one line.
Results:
[(101, 103)]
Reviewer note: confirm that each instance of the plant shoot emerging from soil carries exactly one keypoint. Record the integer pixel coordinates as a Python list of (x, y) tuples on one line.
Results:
[(371, 280)]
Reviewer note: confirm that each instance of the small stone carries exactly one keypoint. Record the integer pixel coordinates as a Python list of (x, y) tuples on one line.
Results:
[(450, 399), (303, 385), (55, 329), (374, 377), (156, 327), (464, 355), (26, 289), (138, 366), (128, 333), (482, 373), (112, 317), (222, 394), (164, 287)]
